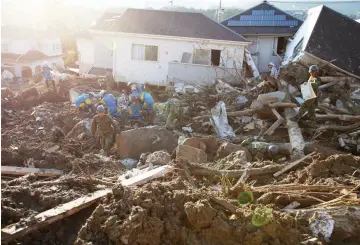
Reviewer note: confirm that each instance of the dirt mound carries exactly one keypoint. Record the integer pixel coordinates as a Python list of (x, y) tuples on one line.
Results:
[(26, 196), (335, 169), (174, 213)]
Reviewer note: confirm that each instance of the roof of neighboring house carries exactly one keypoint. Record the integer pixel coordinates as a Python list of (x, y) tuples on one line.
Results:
[(32, 55), (84, 34), (166, 23), (17, 32), (98, 71), (336, 36), (263, 19)]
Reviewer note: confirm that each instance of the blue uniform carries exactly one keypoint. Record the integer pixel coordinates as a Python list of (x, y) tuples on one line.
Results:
[(47, 73), (134, 109), (147, 101), (111, 103), (81, 99)]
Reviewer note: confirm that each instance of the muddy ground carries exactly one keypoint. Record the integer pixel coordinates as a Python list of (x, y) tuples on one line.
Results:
[(169, 210)]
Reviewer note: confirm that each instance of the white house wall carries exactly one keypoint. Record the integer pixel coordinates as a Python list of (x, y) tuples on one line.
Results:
[(139, 71), (50, 47), (85, 48), (304, 33), (17, 46), (263, 46), (103, 51)]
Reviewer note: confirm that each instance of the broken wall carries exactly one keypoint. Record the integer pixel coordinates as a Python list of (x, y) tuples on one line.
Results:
[(170, 51)]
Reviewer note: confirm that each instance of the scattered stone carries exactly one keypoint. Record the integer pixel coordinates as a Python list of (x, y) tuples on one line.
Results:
[(191, 154), (158, 158)]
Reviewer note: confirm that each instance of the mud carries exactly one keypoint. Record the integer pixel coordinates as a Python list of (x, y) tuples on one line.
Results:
[(22, 198), (335, 169), (174, 213)]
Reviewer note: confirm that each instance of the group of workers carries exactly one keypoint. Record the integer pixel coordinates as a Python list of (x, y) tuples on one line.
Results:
[(141, 102)]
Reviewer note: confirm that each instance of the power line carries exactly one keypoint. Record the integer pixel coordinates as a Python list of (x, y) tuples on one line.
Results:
[(315, 2)]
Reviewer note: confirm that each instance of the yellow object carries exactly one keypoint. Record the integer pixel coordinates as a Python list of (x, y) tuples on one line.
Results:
[(130, 111), (145, 106), (82, 105), (102, 101), (88, 101)]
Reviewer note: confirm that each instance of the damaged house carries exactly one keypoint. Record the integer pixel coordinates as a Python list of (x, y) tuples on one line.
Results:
[(268, 28), (327, 37), (155, 47), (24, 50)]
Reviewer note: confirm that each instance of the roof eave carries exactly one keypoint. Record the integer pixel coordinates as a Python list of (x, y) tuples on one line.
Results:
[(219, 41)]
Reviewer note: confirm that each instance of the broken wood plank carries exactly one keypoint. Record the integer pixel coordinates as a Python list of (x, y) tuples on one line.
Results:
[(292, 165), (10, 170), (278, 122), (349, 118), (14, 231), (248, 112), (270, 169), (282, 105)]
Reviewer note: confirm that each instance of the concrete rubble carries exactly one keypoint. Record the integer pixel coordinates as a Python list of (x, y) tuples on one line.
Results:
[(184, 186)]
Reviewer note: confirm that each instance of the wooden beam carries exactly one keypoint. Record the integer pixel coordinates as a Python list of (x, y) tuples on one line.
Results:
[(349, 118), (293, 164), (279, 121), (10, 170), (14, 231)]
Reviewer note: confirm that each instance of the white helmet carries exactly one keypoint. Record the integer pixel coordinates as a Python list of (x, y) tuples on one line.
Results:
[(271, 64), (102, 92)]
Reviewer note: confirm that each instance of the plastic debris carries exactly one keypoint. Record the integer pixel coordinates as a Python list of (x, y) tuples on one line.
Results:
[(245, 197), (261, 216), (129, 163), (322, 223)]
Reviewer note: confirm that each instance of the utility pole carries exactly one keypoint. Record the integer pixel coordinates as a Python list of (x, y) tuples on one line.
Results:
[(171, 4), (220, 12)]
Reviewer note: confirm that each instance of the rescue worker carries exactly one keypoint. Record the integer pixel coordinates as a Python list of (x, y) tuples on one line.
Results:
[(174, 110), (46, 71), (134, 101), (147, 102), (103, 127), (261, 150), (273, 71), (110, 102), (83, 102), (309, 106)]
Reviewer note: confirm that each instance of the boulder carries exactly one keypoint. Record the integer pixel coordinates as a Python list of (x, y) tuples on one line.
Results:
[(158, 158), (191, 154), (227, 148), (132, 143)]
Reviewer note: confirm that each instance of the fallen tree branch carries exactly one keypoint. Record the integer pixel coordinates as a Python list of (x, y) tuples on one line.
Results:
[(292, 165), (270, 169), (338, 128), (297, 187)]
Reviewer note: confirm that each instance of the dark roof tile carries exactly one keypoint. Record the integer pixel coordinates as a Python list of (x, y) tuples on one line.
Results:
[(336, 36), (166, 23)]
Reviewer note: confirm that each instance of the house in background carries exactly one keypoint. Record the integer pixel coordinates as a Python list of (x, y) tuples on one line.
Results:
[(24, 50), (155, 47), (268, 28), (327, 36)]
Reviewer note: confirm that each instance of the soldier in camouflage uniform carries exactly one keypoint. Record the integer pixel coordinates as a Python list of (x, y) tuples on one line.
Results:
[(103, 127), (261, 150), (175, 112), (309, 106)]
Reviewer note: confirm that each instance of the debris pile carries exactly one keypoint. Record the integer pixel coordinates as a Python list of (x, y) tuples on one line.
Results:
[(276, 180)]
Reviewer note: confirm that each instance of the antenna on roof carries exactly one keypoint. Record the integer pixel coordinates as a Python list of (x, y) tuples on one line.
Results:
[(219, 12), (171, 4)]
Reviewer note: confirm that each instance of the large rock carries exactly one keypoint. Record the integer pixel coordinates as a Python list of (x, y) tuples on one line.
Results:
[(132, 143), (227, 148), (191, 154), (158, 158)]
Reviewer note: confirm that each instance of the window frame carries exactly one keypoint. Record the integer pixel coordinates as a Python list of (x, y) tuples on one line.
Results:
[(194, 56), (144, 50)]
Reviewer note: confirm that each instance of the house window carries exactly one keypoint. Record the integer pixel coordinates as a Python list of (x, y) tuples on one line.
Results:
[(207, 57), (215, 57), (298, 48), (202, 56), (4, 47), (281, 45), (58, 46), (144, 52), (54, 46), (186, 57)]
